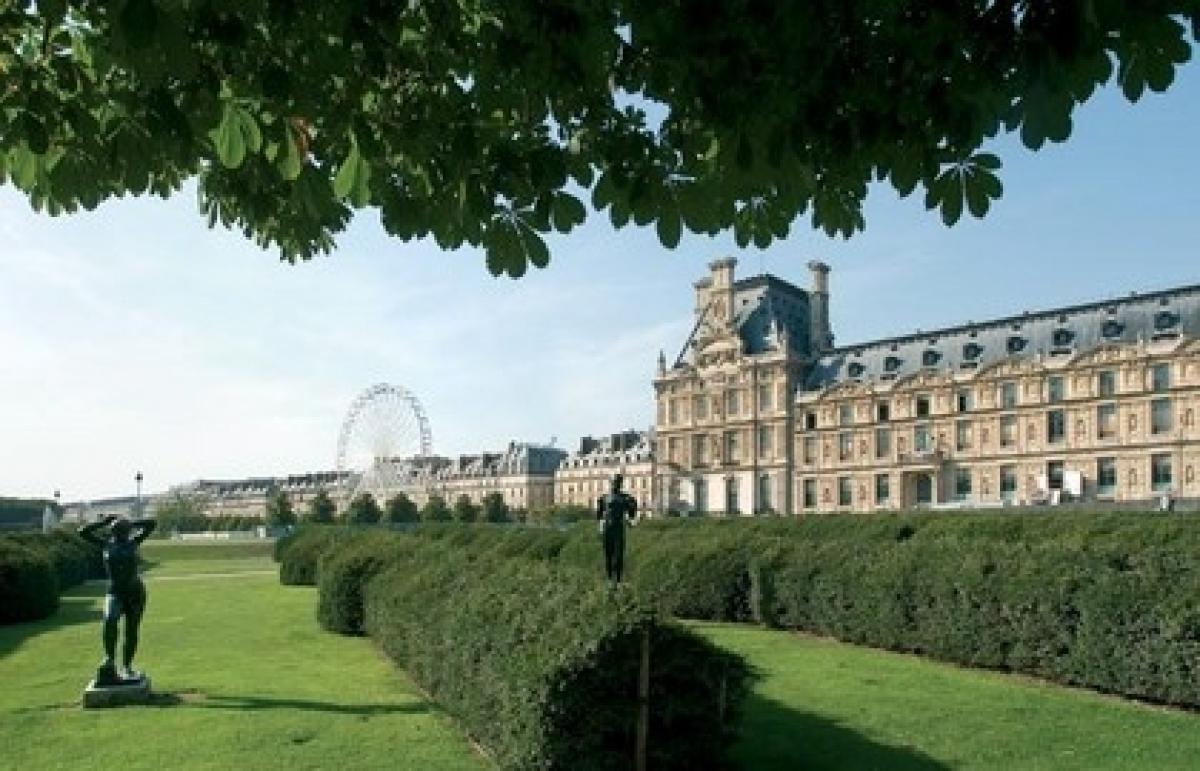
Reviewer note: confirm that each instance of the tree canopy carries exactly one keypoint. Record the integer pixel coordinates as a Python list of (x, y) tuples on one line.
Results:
[(485, 123)]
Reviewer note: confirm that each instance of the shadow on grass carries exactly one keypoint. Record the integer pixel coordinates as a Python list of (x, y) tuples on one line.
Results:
[(775, 737), (256, 703), (78, 607)]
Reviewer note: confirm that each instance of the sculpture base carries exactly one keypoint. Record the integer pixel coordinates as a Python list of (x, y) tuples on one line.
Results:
[(117, 695)]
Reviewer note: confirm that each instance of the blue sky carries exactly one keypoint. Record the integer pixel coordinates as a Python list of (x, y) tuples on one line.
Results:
[(134, 337)]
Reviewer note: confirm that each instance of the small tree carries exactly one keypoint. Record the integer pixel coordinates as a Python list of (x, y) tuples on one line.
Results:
[(494, 508), (401, 509), (435, 510), (321, 509), (364, 510), (176, 511), (465, 511), (279, 510)]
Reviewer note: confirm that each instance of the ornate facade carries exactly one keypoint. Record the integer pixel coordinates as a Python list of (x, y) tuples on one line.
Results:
[(1094, 402)]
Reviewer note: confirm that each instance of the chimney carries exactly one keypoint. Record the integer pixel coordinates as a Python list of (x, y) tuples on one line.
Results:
[(721, 291), (819, 332)]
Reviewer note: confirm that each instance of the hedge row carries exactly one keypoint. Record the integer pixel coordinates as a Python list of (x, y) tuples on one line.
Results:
[(34, 568), (538, 661), (1107, 601)]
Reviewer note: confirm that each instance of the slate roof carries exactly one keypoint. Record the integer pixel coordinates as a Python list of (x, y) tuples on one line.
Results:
[(762, 304), (1067, 330)]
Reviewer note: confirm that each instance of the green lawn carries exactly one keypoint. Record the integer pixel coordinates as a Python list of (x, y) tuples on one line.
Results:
[(827, 705), (246, 681)]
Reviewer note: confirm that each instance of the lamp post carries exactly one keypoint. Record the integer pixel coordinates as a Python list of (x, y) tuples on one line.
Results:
[(138, 505)]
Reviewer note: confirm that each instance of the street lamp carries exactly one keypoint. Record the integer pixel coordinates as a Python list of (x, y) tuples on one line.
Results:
[(138, 506)]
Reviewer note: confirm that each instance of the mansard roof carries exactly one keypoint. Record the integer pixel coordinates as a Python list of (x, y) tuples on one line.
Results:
[(974, 346), (765, 305)]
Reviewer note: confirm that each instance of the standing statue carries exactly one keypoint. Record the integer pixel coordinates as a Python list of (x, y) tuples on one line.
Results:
[(126, 592), (613, 510)]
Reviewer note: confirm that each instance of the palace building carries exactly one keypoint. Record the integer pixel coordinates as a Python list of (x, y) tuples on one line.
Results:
[(584, 476), (760, 412)]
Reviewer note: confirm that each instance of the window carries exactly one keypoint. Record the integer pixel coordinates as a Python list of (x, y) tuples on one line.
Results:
[(1112, 328), (673, 449), (764, 396), (810, 421), (1106, 421), (1056, 426), (921, 439), (810, 493), (845, 445), (1165, 320), (1062, 337), (731, 403), (1015, 344), (764, 440), (882, 493), (810, 449), (700, 408), (1008, 394), (962, 484), (1008, 431), (699, 449), (1160, 416), (922, 406), (1106, 383), (883, 442), (891, 363), (1106, 476), (731, 446), (930, 358), (1054, 389), (731, 497), (1008, 483), (673, 411), (764, 493), (700, 495), (1160, 473), (965, 400), (883, 412), (845, 493), (856, 369), (1054, 474), (845, 415), (971, 351), (1160, 376), (963, 435)]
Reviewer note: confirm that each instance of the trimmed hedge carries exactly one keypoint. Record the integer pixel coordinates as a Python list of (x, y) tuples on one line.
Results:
[(299, 552), (540, 664), (34, 568)]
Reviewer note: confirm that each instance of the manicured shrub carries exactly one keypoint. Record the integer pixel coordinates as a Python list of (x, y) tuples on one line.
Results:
[(28, 583), (540, 663), (344, 570), (298, 553)]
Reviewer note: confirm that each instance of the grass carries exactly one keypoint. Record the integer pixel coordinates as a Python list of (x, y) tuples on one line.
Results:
[(244, 677), (822, 704)]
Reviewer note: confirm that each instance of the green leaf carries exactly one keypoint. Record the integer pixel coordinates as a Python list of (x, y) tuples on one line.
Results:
[(567, 212), (34, 131), (535, 248), (139, 22), (228, 140), (288, 161), (668, 227), (353, 178)]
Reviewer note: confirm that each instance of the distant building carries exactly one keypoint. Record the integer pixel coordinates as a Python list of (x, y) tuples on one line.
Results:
[(585, 475), (248, 497), (523, 474), (1093, 402)]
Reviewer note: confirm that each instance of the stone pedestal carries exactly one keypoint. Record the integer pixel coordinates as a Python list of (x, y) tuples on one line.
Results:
[(116, 695)]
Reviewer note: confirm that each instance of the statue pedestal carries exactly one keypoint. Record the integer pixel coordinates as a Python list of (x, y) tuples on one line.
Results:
[(120, 694)]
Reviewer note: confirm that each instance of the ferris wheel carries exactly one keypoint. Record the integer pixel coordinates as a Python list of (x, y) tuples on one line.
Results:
[(384, 429)]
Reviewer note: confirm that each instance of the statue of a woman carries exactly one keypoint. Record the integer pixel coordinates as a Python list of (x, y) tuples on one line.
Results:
[(126, 592)]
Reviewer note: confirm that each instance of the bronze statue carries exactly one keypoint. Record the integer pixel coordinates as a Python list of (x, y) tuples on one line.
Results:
[(126, 592), (613, 510)]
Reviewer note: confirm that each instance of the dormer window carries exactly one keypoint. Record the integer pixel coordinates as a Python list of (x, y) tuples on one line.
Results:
[(856, 369), (1165, 320), (1062, 337), (1016, 344), (892, 363), (1112, 328), (972, 351), (930, 358)]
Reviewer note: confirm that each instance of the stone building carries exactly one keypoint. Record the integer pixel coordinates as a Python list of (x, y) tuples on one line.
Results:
[(585, 475), (1092, 402), (248, 497), (523, 474)]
